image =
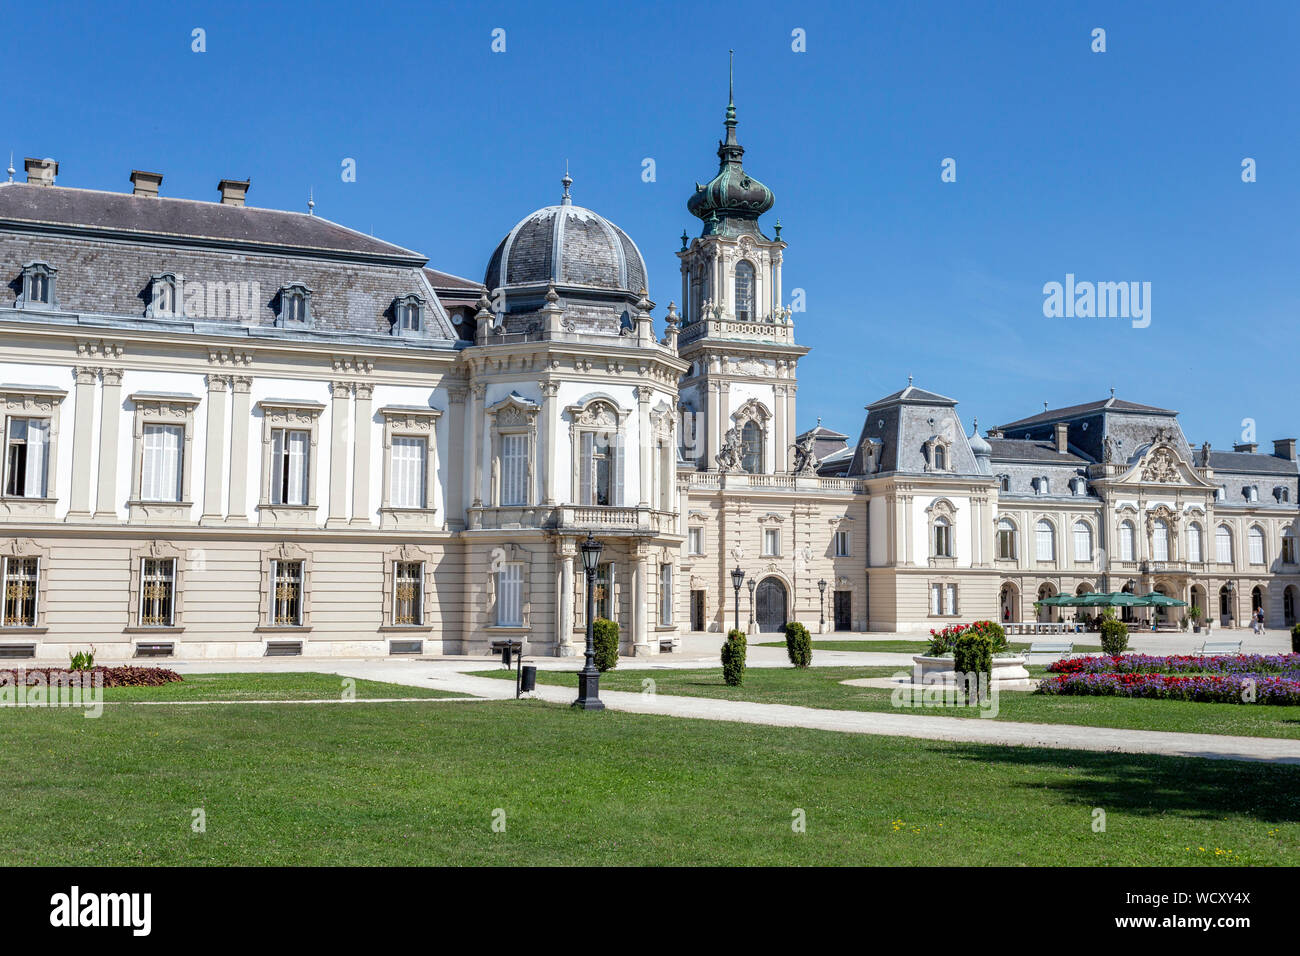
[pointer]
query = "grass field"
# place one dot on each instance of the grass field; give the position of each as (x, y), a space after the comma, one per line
(899, 647)
(291, 686)
(413, 783)
(822, 687)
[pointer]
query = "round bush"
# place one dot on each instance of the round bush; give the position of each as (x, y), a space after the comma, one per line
(972, 656)
(798, 644)
(605, 641)
(733, 658)
(1114, 637)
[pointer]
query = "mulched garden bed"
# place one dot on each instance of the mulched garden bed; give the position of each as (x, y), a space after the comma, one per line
(126, 676)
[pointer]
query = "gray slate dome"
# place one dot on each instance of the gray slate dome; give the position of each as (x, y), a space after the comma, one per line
(570, 245)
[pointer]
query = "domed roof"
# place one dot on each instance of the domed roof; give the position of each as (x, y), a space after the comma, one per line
(570, 246)
(732, 201)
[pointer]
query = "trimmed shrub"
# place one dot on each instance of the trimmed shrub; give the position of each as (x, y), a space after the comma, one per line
(798, 644)
(1295, 638)
(972, 656)
(604, 639)
(733, 658)
(1114, 637)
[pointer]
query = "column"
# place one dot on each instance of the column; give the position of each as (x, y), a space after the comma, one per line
(547, 455)
(564, 605)
(82, 440)
(362, 426)
(241, 387)
(213, 460)
(110, 421)
(640, 579)
(643, 445)
(788, 455)
(782, 433)
(455, 520)
(713, 427)
(477, 394)
(339, 392)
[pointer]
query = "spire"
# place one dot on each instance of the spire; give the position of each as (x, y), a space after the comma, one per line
(566, 182)
(311, 200)
(11, 165)
(730, 150)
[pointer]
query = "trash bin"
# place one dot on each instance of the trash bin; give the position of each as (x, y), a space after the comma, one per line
(527, 678)
(505, 654)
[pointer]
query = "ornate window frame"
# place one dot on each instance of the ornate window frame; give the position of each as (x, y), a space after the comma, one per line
(421, 306)
(31, 401)
(776, 520)
(951, 585)
(697, 521)
(162, 408)
(1172, 521)
(299, 415)
(510, 554)
(753, 288)
(288, 294)
(932, 447)
(409, 554)
(1091, 528)
(754, 411)
(28, 548)
(31, 271)
(410, 421)
(159, 283)
(1263, 540)
(157, 550)
(1055, 559)
(941, 509)
(284, 551)
(513, 415)
(597, 413)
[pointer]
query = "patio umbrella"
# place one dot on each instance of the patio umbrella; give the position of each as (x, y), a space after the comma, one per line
(1123, 599)
(1156, 599)
(1094, 599)
(1057, 600)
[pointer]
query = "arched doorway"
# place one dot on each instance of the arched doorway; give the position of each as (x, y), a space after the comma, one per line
(1161, 613)
(1126, 613)
(1226, 613)
(1045, 610)
(1009, 603)
(1289, 601)
(770, 613)
(1197, 596)
(1256, 602)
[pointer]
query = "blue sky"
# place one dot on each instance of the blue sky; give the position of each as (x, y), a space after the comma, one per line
(1115, 166)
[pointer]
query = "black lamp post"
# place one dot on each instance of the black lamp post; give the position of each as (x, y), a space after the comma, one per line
(752, 584)
(737, 579)
(589, 677)
(821, 586)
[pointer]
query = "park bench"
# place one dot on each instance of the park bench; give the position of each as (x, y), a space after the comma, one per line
(1061, 648)
(1221, 647)
(506, 649)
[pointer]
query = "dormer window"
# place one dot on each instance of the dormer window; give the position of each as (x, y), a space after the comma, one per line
(1252, 493)
(1004, 482)
(1220, 494)
(1078, 486)
(164, 296)
(295, 306)
(1282, 493)
(408, 315)
(1042, 486)
(940, 459)
(938, 454)
(38, 286)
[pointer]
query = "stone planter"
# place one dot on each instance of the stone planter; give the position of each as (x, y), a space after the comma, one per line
(1008, 672)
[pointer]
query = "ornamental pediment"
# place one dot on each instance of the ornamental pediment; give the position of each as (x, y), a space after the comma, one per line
(1163, 465)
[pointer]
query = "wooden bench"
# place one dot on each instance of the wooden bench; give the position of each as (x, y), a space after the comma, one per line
(1060, 648)
(1221, 647)
(501, 647)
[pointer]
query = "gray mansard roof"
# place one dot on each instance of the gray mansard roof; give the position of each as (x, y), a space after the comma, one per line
(898, 428)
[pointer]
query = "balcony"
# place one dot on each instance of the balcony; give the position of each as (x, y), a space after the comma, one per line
(717, 480)
(576, 518)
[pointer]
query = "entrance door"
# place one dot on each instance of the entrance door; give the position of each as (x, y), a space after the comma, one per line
(771, 605)
(843, 610)
(697, 610)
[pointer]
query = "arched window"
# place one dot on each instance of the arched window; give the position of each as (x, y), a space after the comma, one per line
(1082, 541)
(751, 448)
(1004, 482)
(1195, 551)
(744, 291)
(1223, 545)
(1126, 540)
(1045, 541)
(1288, 546)
(1159, 540)
(1255, 538)
(940, 458)
(1006, 539)
(942, 538)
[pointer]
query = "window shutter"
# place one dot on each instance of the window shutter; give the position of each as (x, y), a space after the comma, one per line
(277, 466)
(585, 469)
(38, 443)
(298, 467)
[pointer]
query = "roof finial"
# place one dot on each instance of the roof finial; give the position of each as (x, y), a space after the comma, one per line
(567, 181)
(975, 423)
(11, 165)
(1044, 406)
(909, 379)
(1112, 391)
(311, 200)
(731, 79)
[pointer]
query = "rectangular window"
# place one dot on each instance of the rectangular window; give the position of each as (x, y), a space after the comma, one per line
(665, 594)
(605, 591)
(408, 593)
(842, 549)
(157, 591)
(600, 469)
(1288, 549)
(160, 469)
(408, 471)
(943, 600)
(1194, 545)
(1006, 543)
(514, 469)
(771, 542)
(1045, 549)
(695, 541)
(1082, 544)
(950, 599)
(510, 595)
(27, 455)
(286, 593)
(1256, 547)
(1223, 547)
(290, 453)
(20, 580)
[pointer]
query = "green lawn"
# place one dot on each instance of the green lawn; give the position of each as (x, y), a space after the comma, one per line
(898, 647)
(292, 686)
(821, 687)
(413, 784)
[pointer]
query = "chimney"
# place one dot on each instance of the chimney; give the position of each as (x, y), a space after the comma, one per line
(233, 191)
(1062, 437)
(1248, 447)
(146, 184)
(1284, 448)
(41, 172)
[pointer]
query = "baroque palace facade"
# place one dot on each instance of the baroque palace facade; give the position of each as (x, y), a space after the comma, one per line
(233, 431)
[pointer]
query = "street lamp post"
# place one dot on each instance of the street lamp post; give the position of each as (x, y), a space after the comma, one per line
(737, 579)
(589, 677)
(752, 585)
(821, 586)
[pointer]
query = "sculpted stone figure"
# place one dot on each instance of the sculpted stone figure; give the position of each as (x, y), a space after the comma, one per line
(728, 457)
(805, 462)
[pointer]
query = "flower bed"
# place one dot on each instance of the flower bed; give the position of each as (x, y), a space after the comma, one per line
(1235, 679)
(126, 676)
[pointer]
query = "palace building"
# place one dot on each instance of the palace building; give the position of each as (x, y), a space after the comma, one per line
(234, 432)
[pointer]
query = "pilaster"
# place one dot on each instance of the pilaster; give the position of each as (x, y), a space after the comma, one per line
(241, 387)
(339, 395)
(82, 442)
(110, 422)
(362, 426)
(213, 459)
